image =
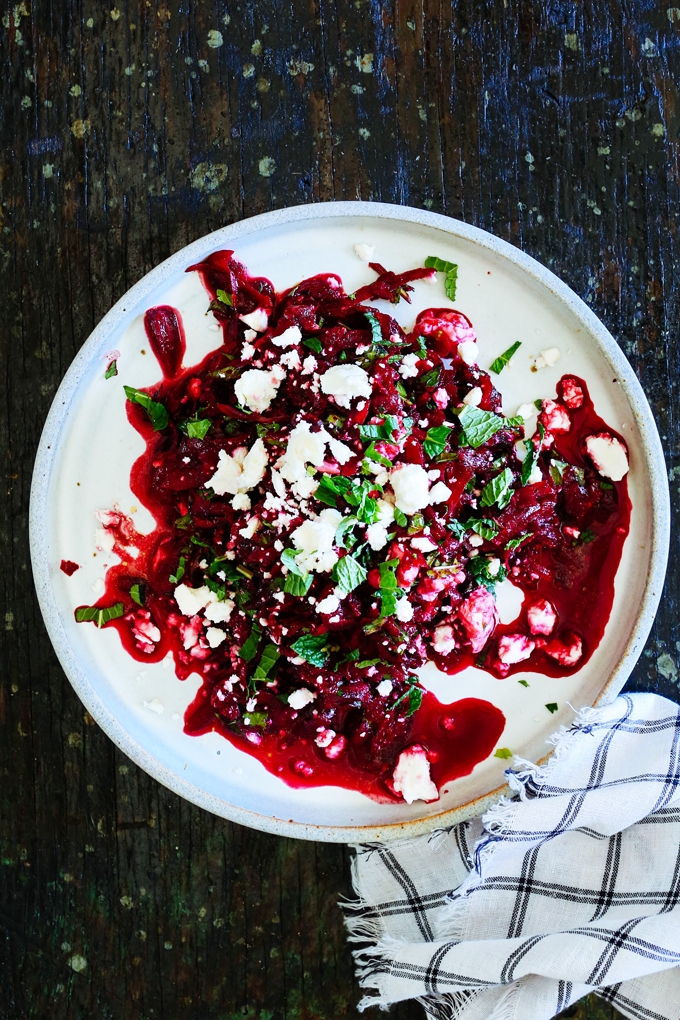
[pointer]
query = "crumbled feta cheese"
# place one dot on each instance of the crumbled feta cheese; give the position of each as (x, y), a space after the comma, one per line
(474, 397)
(407, 369)
(298, 699)
(404, 610)
(411, 487)
(443, 640)
(305, 487)
(384, 688)
(535, 476)
(309, 365)
(364, 251)
(304, 447)
(514, 648)
(219, 612)
(386, 512)
(341, 451)
(565, 652)
(328, 605)
(554, 417)
(609, 455)
(376, 536)
(247, 352)
(439, 493)
(256, 388)
(250, 335)
(251, 527)
(256, 319)
(411, 777)
(290, 336)
(238, 472)
(345, 383)
(468, 352)
(155, 706)
(186, 460)
(547, 358)
(314, 540)
(423, 544)
(193, 600)
(324, 736)
(241, 501)
(527, 411)
(541, 617)
(291, 360)
(215, 636)
(572, 394)
(104, 540)
(478, 616)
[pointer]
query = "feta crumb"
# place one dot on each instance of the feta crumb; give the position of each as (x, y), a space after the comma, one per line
(345, 383)
(155, 706)
(609, 455)
(468, 352)
(251, 527)
(256, 319)
(104, 540)
(474, 397)
(541, 617)
(298, 699)
(407, 369)
(250, 335)
(238, 472)
(376, 536)
(241, 501)
(411, 488)
(256, 388)
(219, 612)
(364, 251)
(192, 600)
(546, 359)
(247, 352)
(328, 605)
(527, 411)
(290, 336)
(304, 447)
(324, 736)
(384, 687)
(443, 640)
(314, 540)
(291, 360)
(439, 493)
(341, 451)
(186, 460)
(411, 777)
(423, 543)
(309, 365)
(404, 610)
(514, 648)
(572, 394)
(215, 636)
(475, 541)
(555, 417)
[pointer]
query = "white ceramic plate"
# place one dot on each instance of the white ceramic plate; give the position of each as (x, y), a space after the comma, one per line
(88, 447)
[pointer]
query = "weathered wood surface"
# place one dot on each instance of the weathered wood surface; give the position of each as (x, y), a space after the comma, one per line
(125, 134)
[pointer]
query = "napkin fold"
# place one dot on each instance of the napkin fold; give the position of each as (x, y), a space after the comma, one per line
(572, 885)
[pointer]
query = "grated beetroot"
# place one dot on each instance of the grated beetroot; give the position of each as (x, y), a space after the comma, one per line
(309, 656)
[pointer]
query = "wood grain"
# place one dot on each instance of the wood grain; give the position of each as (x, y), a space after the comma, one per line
(127, 132)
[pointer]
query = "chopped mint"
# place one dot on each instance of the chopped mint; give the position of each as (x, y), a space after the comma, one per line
(552, 707)
(313, 648)
(376, 331)
(502, 752)
(431, 378)
(524, 683)
(198, 428)
(531, 459)
(457, 528)
(484, 527)
(250, 645)
(372, 454)
(111, 370)
(451, 270)
(137, 593)
(268, 660)
(400, 517)
(342, 539)
(348, 573)
(183, 522)
(179, 573)
(384, 431)
(298, 584)
(314, 344)
(255, 719)
(224, 298)
(515, 543)
(498, 490)
(499, 364)
(436, 440)
(156, 412)
(288, 560)
(478, 426)
(99, 614)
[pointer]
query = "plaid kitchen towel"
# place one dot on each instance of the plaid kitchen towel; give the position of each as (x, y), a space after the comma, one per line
(571, 886)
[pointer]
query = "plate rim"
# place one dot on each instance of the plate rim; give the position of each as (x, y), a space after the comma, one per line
(58, 413)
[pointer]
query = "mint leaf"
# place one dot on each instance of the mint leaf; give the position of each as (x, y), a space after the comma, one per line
(502, 752)
(552, 707)
(557, 469)
(414, 697)
(524, 683)
(298, 584)
(484, 527)
(478, 426)
(179, 573)
(497, 489)
(268, 660)
(342, 539)
(255, 719)
(436, 439)
(368, 662)
(450, 281)
(422, 349)
(384, 431)
(99, 614)
(499, 364)
(224, 298)
(479, 569)
(288, 560)
(156, 412)
(531, 459)
(376, 332)
(198, 429)
(400, 517)
(249, 647)
(457, 528)
(183, 522)
(348, 573)
(514, 543)
(372, 454)
(312, 648)
(431, 378)
(137, 593)
(451, 270)
(111, 370)
(314, 344)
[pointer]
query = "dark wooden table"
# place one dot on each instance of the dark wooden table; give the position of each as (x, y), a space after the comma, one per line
(127, 133)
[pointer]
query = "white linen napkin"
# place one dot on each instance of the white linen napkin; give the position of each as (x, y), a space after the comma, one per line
(571, 886)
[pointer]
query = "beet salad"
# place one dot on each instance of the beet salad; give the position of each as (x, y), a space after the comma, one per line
(336, 501)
